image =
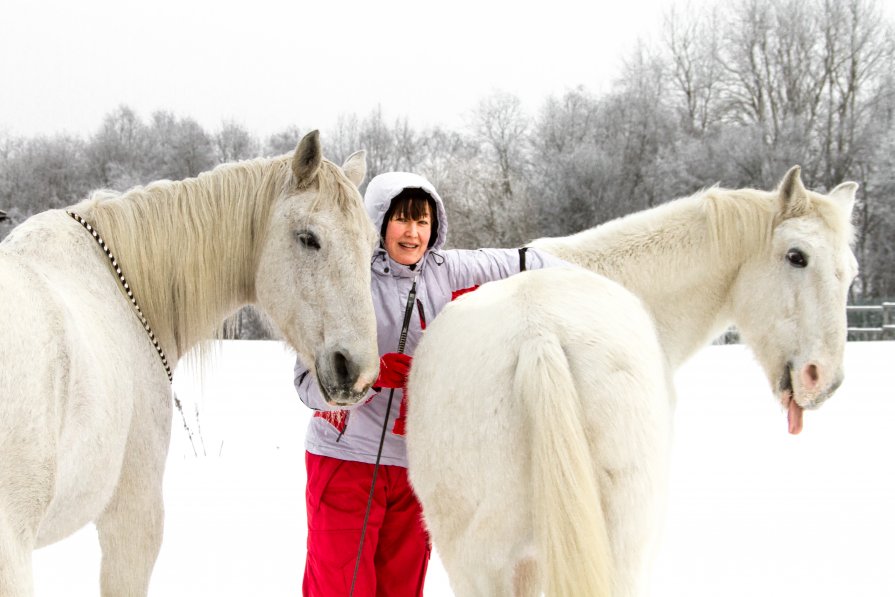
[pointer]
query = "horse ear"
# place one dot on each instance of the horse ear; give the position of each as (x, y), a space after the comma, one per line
(793, 193)
(307, 158)
(844, 194)
(355, 167)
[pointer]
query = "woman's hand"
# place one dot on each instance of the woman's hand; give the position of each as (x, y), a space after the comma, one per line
(393, 370)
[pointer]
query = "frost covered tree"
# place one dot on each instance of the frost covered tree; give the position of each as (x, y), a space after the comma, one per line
(180, 147)
(233, 142)
(118, 153)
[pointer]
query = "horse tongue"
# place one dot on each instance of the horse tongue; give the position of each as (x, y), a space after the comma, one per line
(794, 416)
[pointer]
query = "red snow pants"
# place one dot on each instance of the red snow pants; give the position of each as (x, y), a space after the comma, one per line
(396, 547)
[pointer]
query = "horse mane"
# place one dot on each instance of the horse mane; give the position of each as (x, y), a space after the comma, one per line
(189, 249)
(734, 223)
(750, 216)
(738, 221)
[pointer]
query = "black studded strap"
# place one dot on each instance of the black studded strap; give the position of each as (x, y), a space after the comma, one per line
(127, 289)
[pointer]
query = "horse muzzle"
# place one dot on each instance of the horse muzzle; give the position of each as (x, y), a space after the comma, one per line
(805, 389)
(342, 379)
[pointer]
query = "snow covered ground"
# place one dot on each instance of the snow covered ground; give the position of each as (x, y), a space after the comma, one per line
(752, 511)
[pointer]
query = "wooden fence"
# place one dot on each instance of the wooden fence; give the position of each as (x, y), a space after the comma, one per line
(865, 322)
(871, 322)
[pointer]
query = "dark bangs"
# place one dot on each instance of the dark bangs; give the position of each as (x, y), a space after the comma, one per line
(411, 203)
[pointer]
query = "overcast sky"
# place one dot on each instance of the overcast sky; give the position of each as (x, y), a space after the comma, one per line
(270, 64)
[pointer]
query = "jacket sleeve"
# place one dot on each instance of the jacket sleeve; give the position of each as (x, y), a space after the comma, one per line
(309, 391)
(471, 268)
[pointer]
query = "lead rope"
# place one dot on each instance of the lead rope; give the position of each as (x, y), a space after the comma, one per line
(127, 289)
(388, 409)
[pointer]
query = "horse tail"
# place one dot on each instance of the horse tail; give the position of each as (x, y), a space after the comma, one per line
(569, 526)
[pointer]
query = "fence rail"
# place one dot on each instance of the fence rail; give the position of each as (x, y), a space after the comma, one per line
(865, 322)
(871, 322)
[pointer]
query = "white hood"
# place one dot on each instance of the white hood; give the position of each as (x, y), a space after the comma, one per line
(385, 187)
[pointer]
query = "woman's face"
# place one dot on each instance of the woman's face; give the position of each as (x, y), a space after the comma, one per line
(406, 239)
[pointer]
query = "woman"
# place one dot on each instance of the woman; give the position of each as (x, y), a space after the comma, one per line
(342, 445)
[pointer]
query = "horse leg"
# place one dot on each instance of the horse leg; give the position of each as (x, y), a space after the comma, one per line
(633, 498)
(515, 579)
(20, 516)
(469, 574)
(26, 489)
(479, 583)
(130, 528)
(526, 582)
(15, 563)
(488, 568)
(130, 536)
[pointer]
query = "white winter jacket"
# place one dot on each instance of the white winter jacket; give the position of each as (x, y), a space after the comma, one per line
(353, 433)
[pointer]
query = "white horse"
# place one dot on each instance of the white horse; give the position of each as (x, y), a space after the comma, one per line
(525, 359)
(85, 402)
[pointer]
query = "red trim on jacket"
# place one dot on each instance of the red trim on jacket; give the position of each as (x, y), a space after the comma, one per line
(458, 293)
(336, 418)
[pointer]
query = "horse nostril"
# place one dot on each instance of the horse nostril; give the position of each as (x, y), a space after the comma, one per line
(340, 366)
(810, 376)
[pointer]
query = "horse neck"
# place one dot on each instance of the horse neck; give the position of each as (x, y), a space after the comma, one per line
(189, 249)
(670, 257)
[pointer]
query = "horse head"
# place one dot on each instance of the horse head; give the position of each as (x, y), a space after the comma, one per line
(790, 298)
(313, 277)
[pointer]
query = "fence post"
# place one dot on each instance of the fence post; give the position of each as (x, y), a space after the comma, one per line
(888, 321)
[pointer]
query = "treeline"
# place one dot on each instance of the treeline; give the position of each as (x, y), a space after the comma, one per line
(731, 96)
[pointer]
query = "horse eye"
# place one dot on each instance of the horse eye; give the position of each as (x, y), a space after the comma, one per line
(796, 258)
(308, 240)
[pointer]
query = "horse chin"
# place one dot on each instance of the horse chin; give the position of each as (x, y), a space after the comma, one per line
(342, 396)
(341, 380)
(342, 402)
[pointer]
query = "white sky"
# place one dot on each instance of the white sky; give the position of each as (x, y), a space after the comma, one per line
(271, 64)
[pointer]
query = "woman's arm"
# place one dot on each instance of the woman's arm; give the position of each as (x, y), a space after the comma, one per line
(471, 268)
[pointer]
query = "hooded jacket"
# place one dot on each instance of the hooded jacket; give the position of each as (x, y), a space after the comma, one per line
(353, 433)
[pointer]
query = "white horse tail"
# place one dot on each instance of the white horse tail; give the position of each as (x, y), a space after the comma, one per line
(570, 530)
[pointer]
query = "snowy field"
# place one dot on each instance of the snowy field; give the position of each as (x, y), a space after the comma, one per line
(752, 511)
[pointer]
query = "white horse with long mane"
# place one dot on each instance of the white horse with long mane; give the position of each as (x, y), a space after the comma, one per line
(540, 406)
(85, 402)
